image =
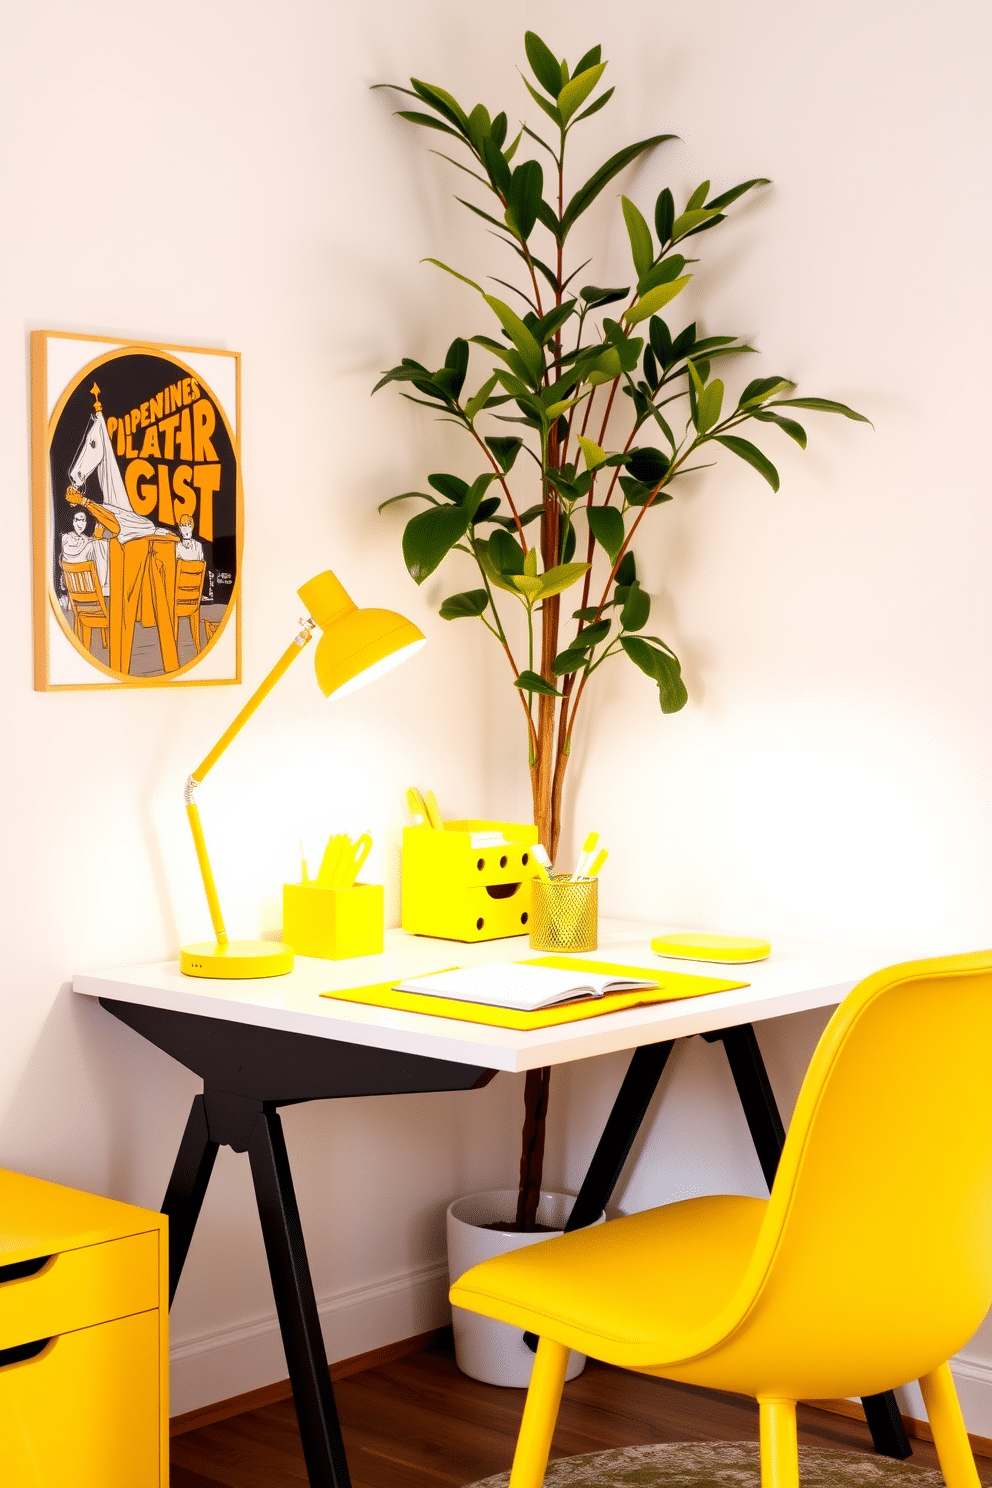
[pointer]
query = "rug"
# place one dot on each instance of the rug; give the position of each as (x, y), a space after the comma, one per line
(722, 1465)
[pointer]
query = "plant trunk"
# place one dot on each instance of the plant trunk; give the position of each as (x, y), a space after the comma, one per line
(536, 1091)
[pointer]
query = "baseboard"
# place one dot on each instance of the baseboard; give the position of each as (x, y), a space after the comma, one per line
(241, 1361)
(914, 1429)
(221, 1410)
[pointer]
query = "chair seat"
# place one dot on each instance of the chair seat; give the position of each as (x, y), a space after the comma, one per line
(636, 1292)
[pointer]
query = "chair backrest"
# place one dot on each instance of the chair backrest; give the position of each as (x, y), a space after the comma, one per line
(878, 1233)
(189, 585)
(82, 585)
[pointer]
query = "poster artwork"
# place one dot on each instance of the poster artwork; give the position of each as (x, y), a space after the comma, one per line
(138, 527)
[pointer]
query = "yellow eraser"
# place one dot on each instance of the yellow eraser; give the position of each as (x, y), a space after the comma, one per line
(726, 948)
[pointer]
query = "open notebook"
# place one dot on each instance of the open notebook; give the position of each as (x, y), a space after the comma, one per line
(656, 985)
(524, 985)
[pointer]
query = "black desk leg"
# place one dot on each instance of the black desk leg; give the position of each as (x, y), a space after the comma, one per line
(768, 1135)
(187, 1186)
(323, 1449)
(624, 1122)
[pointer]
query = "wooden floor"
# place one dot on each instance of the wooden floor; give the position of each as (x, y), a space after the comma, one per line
(419, 1423)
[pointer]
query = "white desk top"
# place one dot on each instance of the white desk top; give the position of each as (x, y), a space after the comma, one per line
(796, 976)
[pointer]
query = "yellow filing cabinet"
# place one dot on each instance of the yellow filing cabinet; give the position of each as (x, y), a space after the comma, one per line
(84, 1340)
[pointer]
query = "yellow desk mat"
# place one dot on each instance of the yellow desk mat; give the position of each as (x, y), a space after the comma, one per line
(669, 987)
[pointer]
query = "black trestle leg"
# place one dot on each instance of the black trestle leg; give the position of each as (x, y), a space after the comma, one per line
(187, 1186)
(768, 1135)
(622, 1125)
(323, 1449)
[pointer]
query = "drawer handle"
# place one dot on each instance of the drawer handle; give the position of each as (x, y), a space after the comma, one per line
(23, 1351)
(17, 1269)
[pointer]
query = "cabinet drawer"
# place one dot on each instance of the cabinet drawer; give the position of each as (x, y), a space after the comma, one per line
(86, 1412)
(79, 1288)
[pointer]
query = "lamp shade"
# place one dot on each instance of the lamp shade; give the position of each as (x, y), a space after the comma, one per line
(356, 646)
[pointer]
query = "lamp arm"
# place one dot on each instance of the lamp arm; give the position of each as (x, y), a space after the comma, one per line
(285, 661)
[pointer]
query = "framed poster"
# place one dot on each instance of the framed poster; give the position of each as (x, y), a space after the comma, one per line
(138, 512)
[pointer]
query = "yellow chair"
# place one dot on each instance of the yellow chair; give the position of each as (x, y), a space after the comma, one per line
(855, 1276)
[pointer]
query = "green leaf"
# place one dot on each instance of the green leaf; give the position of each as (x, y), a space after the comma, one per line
(430, 536)
(589, 613)
(428, 122)
(594, 296)
(453, 272)
(593, 454)
(661, 273)
(479, 125)
(505, 450)
(521, 337)
(641, 245)
(592, 56)
(788, 426)
(689, 221)
(663, 667)
(750, 452)
(664, 216)
(710, 401)
(549, 108)
(647, 464)
(556, 580)
(590, 636)
(627, 572)
(465, 606)
(606, 525)
(476, 404)
(654, 299)
(472, 499)
(523, 197)
(569, 660)
(574, 94)
(456, 362)
(480, 547)
(822, 405)
(443, 102)
(594, 108)
(530, 563)
(636, 608)
(529, 585)
(698, 197)
(405, 496)
(719, 202)
(506, 554)
(451, 487)
(587, 193)
(543, 64)
(496, 165)
(545, 328)
(763, 388)
(487, 509)
(530, 682)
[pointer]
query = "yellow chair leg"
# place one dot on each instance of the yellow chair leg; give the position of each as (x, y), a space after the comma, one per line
(950, 1435)
(540, 1414)
(779, 1448)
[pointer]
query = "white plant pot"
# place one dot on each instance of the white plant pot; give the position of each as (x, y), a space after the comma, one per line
(485, 1349)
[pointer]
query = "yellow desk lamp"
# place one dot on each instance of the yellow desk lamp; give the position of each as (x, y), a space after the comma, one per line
(355, 647)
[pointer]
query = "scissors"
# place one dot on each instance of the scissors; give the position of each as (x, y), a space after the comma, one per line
(351, 861)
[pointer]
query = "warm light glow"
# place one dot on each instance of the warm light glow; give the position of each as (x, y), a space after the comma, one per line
(378, 669)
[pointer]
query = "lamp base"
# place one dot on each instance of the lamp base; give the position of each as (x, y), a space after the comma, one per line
(239, 959)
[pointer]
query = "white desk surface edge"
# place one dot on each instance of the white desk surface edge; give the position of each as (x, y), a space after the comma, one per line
(796, 977)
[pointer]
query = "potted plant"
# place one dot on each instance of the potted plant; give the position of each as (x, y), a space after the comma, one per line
(585, 407)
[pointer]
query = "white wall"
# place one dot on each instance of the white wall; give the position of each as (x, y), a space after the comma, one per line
(221, 175)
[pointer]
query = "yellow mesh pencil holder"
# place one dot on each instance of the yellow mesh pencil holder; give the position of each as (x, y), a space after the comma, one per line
(564, 913)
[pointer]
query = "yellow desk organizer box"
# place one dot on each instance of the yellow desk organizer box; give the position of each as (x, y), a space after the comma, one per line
(333, 923)
(460, 884)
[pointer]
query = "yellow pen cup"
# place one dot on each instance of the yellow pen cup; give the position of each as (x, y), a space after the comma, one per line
(333, 923)
(564, 914)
